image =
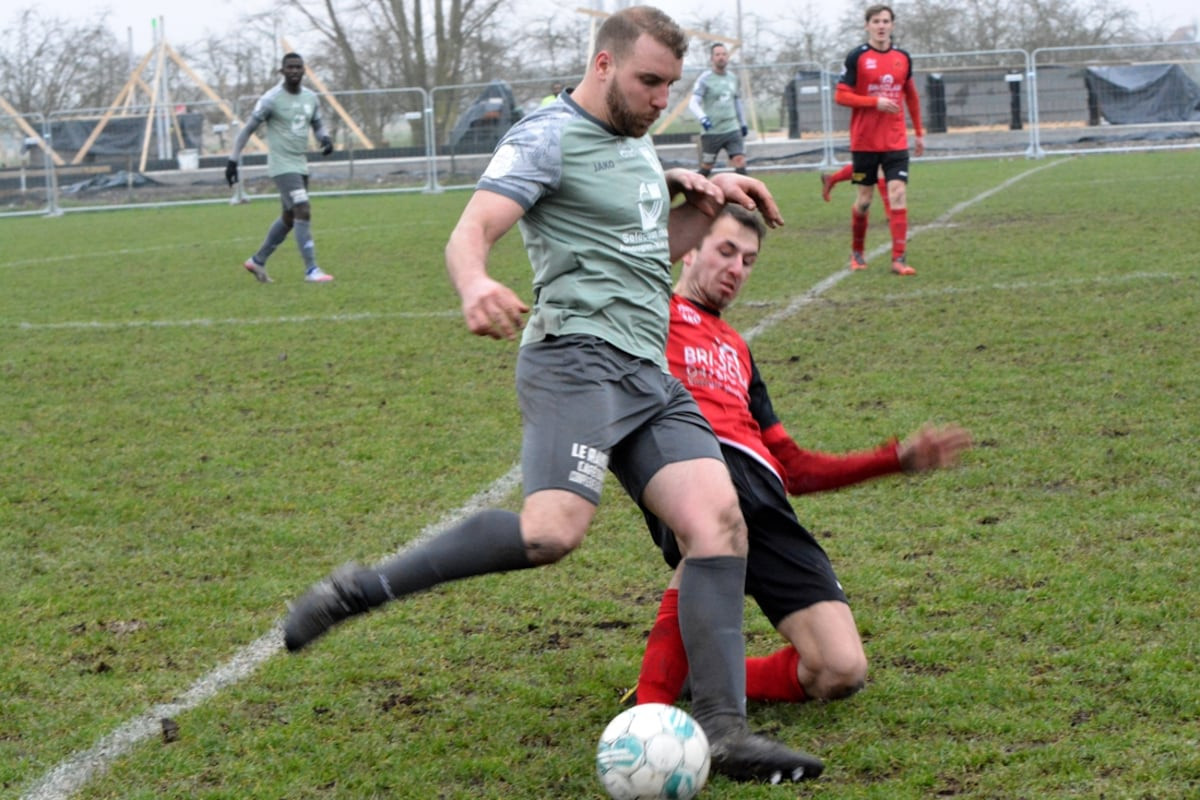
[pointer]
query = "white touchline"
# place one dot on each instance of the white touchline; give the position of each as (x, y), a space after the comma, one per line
(203, 323)
(71, 774)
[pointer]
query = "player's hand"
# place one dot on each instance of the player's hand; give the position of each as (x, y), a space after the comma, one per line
(492, 309)
(231, 174)
(887, 105)
(326, 145)
(749, 193)
(745, 131)
(696, 189)
(933, 448)
(919, 145)
(706, 123)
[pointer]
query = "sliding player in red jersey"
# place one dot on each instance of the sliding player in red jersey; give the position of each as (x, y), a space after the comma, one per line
(787, 573)
(876, 84)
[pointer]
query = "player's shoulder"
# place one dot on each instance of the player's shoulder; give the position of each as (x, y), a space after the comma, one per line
(271, 95)
(858, 50)
(901, 51)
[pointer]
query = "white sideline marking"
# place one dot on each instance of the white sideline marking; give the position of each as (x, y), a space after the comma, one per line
(200, 323)
(71, 774)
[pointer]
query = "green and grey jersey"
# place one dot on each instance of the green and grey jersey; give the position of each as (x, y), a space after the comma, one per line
(595, 227)
(718, 98)
(288, 118)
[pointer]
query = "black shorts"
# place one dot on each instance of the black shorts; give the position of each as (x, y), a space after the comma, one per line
(786, 570)
(867, 164)
(588, 407)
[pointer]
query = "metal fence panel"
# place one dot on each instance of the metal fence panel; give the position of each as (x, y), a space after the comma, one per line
(26, 167)
(1117, 97)
(381, 145)
(974, 104)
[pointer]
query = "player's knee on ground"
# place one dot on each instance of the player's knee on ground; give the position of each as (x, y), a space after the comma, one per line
(835, 678)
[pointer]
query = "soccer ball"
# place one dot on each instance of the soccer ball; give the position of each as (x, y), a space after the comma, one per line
(653, 752)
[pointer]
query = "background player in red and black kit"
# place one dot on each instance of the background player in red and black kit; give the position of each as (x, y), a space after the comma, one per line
(787, 572)
(876, 83)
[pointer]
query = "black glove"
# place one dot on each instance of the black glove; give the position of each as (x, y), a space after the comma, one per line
(745, 131)
(326, 145)
(231, 172)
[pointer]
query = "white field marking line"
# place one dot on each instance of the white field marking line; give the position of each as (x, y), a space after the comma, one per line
(134, 251)
(802, 300)
(73, 773)
(70, 775)
(200, 323)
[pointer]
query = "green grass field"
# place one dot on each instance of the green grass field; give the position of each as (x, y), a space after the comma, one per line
(184, 450)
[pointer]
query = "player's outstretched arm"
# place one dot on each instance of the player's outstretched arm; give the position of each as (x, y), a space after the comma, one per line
(489, 307)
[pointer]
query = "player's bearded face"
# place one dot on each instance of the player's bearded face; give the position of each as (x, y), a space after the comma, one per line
(622, 116)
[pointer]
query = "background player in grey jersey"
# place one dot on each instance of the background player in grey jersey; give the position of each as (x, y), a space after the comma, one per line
(582, 179)
(717, 103)
(289, 111)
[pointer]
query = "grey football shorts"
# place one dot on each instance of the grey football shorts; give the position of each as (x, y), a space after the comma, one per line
(713, 143)
(587, 406)
(293, 189)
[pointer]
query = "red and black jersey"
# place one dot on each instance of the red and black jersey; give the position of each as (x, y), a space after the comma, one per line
(714, 362)
(867, 75)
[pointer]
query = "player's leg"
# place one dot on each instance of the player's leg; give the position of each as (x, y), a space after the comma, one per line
(830, 662)
(865, 166)
(735, 147)
(895, 167)
(302, 210)
(256, 265)
(692, 494)
(563, 486)
(831, 179)
(708, 153)
(881, 184)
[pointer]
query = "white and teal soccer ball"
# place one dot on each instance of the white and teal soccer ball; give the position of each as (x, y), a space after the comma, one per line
(653, 752)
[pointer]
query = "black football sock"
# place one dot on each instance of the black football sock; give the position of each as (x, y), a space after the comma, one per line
(487, 542)
(711, 608)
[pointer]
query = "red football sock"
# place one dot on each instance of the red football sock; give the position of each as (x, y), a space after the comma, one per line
(774, 677)
(858, 230)
(664, 664)
(842, 174)
(883, 195)
(898, 221)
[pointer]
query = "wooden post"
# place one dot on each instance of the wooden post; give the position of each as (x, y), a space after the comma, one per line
(125, 95)
(29, 131)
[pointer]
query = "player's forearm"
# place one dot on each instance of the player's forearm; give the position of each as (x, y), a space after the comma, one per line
(845, 96)
(243, 136)
(809, 471)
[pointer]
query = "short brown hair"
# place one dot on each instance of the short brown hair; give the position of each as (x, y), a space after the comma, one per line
(878, 9)
(744, 217)
(622, 29)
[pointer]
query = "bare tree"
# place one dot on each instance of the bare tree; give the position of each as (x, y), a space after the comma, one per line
(49, 63)
(419, 43)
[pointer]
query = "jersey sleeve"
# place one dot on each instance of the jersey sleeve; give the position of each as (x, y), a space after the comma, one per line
(527, 162)
(913, 101)
(809, 471)
(696, 104)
